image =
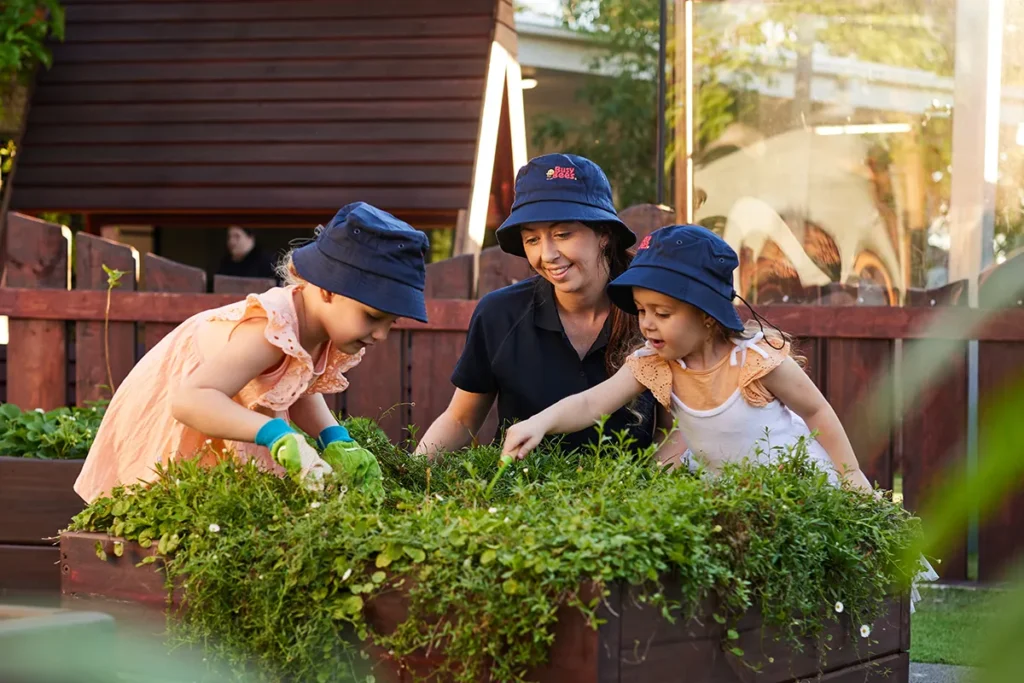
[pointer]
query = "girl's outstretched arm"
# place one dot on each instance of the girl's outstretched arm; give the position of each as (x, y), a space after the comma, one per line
(204, 399)
(573, 413)
(673, 445)
(791, 385)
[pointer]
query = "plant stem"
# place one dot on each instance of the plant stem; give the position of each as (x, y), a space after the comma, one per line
(106, 343)
(506, 460)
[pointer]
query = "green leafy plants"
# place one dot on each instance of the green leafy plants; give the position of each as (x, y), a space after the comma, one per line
(61, 434)
(276, 578)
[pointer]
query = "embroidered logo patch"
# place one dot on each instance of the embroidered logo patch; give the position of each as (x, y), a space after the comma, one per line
(562, 172)
(644, 243)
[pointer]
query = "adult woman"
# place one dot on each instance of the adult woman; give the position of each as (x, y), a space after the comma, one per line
(244, 257)
(537, 341)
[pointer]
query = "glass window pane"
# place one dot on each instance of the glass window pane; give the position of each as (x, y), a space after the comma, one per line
(822, 144)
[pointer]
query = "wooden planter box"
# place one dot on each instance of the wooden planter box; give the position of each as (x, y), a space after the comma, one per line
(36, 501)
(635, 645)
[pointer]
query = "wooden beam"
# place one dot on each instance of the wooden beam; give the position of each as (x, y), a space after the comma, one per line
(174, 307)
(837, 322)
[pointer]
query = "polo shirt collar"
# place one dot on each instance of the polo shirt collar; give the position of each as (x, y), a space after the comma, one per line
(545, 314)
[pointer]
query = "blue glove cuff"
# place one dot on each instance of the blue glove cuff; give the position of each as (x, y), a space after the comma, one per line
(332, 434)
(272, 431)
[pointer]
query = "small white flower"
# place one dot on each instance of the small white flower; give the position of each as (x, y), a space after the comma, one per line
(348, 573)
(493, 510)
(214, 528)
(209, 442)
(839, 608)
(525, 470)
(438, 496)
(40, 411)
(507, 520)
(315, 504)
(865, 631)
(260, 577)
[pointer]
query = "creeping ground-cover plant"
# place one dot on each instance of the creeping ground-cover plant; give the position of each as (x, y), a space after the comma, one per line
(60, 434)
(276, 579)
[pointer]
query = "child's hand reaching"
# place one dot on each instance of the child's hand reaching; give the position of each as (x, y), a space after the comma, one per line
(290, 450)
(523, 437)
(354, 462)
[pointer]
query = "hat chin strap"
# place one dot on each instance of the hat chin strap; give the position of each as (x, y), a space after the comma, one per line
(761, 322)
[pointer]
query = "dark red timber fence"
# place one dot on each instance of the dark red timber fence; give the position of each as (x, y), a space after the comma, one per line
(56, 355)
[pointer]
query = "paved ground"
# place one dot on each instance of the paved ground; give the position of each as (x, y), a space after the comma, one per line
(939, 673)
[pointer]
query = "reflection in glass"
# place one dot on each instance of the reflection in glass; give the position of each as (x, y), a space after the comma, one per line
(823, 142)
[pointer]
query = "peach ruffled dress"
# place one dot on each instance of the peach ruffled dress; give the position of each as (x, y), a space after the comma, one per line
(139, 431)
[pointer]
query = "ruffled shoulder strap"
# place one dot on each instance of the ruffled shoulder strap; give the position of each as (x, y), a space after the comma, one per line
(757, 358)
(654, 372)
(333, 380)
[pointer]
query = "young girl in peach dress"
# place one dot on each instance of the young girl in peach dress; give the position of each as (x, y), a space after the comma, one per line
(228, 381)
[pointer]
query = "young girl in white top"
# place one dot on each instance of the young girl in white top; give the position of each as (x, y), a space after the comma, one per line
(733, 393)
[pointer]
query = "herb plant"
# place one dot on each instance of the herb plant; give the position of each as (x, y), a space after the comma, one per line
(277, 579)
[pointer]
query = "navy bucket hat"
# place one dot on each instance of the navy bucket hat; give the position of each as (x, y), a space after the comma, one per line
(561, 187)
(688, 263)
(369, 255)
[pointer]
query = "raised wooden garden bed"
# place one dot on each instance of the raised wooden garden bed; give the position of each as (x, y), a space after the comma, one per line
(636, 644)
(37, 500)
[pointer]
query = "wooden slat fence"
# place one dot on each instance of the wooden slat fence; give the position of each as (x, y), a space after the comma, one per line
(407, 381)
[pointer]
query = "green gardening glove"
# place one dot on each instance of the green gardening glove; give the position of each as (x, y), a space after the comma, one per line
(290, 450)
(350, 460)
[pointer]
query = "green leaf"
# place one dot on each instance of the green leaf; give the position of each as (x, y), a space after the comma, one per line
(733, 635)
(736, 651)
(416, 554)
(118, 548)
(378, 577)
(488, 557)
(352, 604)
(510, 586)
(99, 552)
(383, 560)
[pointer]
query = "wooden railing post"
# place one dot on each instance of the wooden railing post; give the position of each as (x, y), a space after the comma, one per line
(37, 257)
(935, 425)
(433, 354)
(163, 275)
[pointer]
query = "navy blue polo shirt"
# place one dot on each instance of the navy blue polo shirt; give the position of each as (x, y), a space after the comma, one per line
(516, 347)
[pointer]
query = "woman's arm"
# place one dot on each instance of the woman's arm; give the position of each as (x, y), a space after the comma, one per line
(791, 385)
(672, 448)
(456, 427)
(311, 414)
(573, 413)
(203, 400)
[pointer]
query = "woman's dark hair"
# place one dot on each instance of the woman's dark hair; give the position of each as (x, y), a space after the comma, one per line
(249, 232)
(624, 336)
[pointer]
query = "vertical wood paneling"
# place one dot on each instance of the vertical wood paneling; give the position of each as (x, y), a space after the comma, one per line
(37, 254)
(164, 275)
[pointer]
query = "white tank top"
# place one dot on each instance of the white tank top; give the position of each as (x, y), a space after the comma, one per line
(735, 429)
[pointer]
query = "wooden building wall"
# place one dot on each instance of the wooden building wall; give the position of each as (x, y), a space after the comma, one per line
(265, 106)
